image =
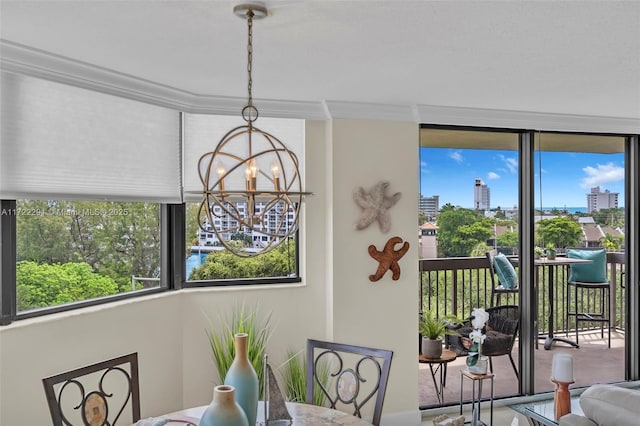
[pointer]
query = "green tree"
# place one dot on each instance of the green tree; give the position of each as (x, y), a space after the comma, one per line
(192, 224)
(509, 239)
(41, 285)
(613, 217)
(42, 232)
(612, 242)
(119, 240)
(460, 230)
(225, 265)
(560, 231)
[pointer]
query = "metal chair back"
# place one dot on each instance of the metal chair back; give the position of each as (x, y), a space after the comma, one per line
(95, 395)
(354, 375)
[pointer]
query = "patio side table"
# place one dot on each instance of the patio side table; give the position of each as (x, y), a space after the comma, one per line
(476, 382)
(439, 365)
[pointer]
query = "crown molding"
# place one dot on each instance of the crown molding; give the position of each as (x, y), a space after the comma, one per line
(445, 115)
(21, 59)
(366, 111)
(17, 58)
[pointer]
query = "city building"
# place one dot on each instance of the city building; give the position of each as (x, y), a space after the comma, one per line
(276, 223)
(597, 200)
(429, 206)
(428, 240)
(481, 195)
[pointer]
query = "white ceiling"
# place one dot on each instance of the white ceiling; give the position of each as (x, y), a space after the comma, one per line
(567, 57)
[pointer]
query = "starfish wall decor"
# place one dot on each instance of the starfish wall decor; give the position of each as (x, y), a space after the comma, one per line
(375, 205)
(388, 258)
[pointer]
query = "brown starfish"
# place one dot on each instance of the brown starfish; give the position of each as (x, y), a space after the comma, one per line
(388, 258)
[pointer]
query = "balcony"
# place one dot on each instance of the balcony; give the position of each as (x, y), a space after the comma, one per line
(454, 286)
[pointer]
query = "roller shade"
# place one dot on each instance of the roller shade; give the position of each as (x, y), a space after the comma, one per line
(60, 141)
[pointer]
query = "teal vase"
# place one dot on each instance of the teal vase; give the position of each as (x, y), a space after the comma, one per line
(224, 410)
(244, 379)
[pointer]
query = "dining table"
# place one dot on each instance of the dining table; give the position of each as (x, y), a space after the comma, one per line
(302, 415)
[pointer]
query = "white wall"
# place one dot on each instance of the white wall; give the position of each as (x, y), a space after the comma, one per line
(31, 350)
(336, 300)
(384, 313)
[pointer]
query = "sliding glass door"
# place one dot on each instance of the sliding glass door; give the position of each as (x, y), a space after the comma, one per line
(580, 212)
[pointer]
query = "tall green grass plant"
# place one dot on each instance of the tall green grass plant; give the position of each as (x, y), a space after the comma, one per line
(294, 377)
(242, 319)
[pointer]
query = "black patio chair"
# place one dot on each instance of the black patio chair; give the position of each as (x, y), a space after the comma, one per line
(356, 375)
(501, 331)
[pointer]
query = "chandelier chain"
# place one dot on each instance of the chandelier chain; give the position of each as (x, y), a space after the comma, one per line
(250, 15)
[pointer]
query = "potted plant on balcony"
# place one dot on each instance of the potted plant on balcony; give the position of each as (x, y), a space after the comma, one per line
(551, 251)
(433, 329)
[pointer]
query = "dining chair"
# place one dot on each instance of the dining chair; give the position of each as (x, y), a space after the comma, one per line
(348, 376)
(95, 395)
(588, 295)
(507, 277)
(501, 331)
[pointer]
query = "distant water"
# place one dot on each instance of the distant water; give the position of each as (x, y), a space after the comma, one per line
(569, 209)
(193, 261)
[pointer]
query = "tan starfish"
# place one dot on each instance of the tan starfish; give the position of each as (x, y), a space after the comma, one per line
(375, 205)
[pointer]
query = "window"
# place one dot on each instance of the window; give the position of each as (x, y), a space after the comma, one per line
(70, 251)
(63, 151)
(207, 263)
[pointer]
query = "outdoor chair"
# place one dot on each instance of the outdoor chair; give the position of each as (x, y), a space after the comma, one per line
(589, 291)
(501, 331)
(507, 278)
(96, 394)
(348, 376)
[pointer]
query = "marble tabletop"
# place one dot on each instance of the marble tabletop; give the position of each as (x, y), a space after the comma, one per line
(302, 414)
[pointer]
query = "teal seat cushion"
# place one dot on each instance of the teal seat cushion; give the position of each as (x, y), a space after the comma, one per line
(594, 272)
(506, 273)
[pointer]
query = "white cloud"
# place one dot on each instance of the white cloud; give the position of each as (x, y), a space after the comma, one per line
(601, 174)
(456, 156)
(510, 162)
(493, 176)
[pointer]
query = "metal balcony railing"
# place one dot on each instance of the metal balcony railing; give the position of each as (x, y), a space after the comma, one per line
(454, 286)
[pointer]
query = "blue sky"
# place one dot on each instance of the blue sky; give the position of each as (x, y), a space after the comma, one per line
(566, 176)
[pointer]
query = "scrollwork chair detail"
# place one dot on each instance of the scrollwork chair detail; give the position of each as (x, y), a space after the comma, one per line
(350, 367)
(96, 386)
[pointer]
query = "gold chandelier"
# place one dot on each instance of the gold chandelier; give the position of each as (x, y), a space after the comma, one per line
(252, 190)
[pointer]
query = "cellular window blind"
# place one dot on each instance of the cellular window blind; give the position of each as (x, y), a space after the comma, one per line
(202, 133)
(60, 141)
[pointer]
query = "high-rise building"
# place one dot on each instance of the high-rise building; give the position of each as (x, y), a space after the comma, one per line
(481, 196)
(597, 200)
(429, 206)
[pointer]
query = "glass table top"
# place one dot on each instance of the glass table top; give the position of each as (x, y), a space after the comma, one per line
(543, 412)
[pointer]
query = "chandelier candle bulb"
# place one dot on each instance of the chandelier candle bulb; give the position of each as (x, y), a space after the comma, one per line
(276, 179)
(220, 170)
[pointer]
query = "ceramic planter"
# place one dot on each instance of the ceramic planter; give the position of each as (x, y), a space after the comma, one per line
(431, 348)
